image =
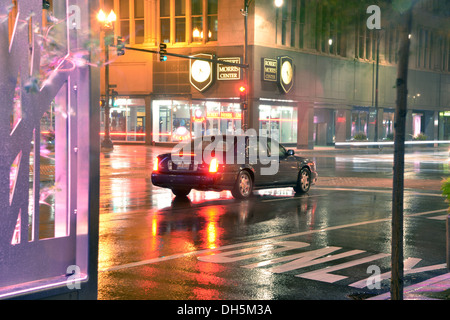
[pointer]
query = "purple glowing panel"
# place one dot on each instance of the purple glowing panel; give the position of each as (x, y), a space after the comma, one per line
(44, 168)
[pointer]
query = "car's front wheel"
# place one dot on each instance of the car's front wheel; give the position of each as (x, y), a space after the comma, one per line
(303, 181)
(181, 192)
(244, 186)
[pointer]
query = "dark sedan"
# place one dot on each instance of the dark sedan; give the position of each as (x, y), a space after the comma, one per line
(237, 163)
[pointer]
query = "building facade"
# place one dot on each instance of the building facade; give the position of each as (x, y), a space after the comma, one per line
(328, 95)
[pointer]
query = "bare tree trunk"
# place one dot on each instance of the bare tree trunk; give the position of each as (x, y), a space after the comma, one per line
(399, 155)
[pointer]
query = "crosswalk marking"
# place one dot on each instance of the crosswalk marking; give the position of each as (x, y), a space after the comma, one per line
(324, 274)
(225, 257)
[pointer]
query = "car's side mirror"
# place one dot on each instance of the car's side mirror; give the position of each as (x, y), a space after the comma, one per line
(290, 152)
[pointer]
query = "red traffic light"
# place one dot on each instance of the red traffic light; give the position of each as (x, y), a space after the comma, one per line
(243, 93)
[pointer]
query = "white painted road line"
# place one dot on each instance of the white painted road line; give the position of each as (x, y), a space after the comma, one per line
(257, 242)
(389, 191)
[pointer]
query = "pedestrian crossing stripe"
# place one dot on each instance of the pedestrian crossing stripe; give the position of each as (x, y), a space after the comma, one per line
(298, 261)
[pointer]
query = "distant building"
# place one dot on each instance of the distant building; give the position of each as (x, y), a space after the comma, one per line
(330, 97)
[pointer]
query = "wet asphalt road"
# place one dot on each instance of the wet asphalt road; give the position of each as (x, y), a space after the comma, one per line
(274, 246)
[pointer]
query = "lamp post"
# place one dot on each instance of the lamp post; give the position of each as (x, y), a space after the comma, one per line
(245, 71)
(278, 3)
(107, 26)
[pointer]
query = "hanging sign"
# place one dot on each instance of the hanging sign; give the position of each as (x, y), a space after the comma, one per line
(227, 72)
(269, 69)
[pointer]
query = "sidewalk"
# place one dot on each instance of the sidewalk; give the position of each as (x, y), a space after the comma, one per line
(368, 150)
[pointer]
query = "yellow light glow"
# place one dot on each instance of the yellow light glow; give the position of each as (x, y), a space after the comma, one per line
(101, 16)
(196, 33)
(112, 16)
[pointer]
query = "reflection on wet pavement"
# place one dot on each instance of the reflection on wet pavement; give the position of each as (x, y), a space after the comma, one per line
(140, 222)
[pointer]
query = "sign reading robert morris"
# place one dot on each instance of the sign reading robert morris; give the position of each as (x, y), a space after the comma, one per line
(227, 72)
(270, 69)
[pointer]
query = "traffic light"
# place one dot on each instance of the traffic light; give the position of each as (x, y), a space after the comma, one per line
(243, 93)
(162, 52)
(120, 46)
(243, 97)
(102, 103)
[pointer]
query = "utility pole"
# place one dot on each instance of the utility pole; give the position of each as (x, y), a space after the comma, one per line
(399, 159)
(107, 25)
(244, 123)
(376, 86)
(107, 143)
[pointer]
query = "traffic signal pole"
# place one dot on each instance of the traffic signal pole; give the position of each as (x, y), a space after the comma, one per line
(190, 57)
(244, 104)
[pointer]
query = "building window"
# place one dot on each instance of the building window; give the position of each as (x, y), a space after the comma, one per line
(310, 25)
(212, 20)
(302, 24)
(131, 19)
(366, 41)
(180, 120)
(278, 122)
(164, 16)
(190, 21)
(127, 118)
(180, 21)
(388, 125)
(139, 25)
(124, 15)
(197, 20)
(359, 123)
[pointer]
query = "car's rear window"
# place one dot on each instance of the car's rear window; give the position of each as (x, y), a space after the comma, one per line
(219, 144)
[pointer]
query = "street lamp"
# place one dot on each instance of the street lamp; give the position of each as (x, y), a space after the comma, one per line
(278, 4)
(107, 26)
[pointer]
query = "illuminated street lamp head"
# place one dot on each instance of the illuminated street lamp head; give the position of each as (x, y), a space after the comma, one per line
(112, 17)
(106, 20)
(278, 3)
(101, 16)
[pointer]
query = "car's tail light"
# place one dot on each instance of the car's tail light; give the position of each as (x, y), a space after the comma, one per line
(213, 165)
(156, 164)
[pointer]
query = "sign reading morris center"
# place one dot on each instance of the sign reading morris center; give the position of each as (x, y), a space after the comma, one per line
(227, 72)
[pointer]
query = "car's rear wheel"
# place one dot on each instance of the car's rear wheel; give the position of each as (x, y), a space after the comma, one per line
(181, 192)
(303, 181)
(244, 186)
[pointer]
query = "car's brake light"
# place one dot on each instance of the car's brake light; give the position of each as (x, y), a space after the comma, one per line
(156, 164)
(213, 165)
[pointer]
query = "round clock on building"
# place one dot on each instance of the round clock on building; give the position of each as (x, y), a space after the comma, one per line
(201, 72)
(286, 73)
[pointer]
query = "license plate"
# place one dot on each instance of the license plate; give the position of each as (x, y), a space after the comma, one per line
(183, 166)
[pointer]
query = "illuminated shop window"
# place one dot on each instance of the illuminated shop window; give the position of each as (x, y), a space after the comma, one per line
(127, 118)
(178, 120)
(278, 122)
